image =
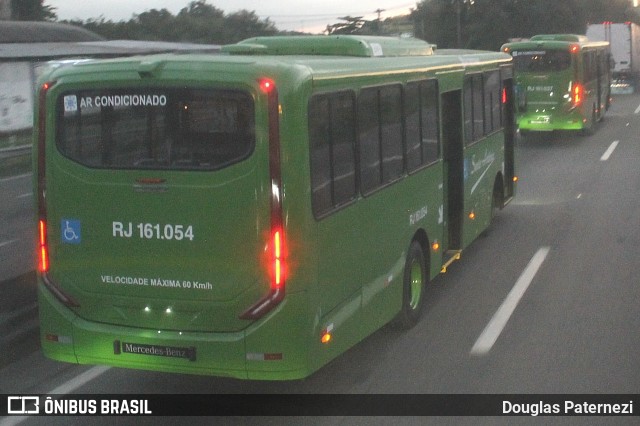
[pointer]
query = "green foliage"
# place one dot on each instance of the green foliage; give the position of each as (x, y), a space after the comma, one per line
(477, 24)
(351, 25)
(486, 24)
(31, 10)
(199, 22)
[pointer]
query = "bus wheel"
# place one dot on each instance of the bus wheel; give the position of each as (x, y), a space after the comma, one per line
(591, 127)
(496, 198)
(414, 285)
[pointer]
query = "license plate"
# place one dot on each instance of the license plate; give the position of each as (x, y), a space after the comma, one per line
(154, 350)
(540, 120)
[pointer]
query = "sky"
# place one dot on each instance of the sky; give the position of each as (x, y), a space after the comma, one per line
(300, 15)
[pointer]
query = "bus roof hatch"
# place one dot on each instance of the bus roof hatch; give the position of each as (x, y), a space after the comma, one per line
(341, 45)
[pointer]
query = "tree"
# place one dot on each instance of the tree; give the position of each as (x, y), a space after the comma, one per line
(199, 22)
(32, 10)
(352, 25)
(244, 24)
(486, 24)
(436, 22)
(597, 11)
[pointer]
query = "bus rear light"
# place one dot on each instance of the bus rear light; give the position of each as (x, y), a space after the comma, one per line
(266, 85)
(577, 94)
(504, 95)
(574, 48)
(43, 251)
(55, 338)
(326, 335)
(277, 253)
(278, 278)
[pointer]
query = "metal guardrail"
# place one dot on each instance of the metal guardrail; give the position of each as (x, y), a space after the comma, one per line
(15, 151)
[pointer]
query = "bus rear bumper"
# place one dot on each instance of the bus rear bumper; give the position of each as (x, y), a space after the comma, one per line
(550, 123)
(247, 354)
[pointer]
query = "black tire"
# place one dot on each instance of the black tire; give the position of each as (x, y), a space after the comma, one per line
(591, 128)
(414, 286)
(524, 134)
(496, 199)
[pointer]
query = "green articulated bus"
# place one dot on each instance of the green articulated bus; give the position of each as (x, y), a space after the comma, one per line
(256, 213)
(562, 82)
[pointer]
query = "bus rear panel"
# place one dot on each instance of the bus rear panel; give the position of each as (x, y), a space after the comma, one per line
(157, 227)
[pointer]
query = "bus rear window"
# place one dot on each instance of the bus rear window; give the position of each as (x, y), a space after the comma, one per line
(174, 129)
(541, 60)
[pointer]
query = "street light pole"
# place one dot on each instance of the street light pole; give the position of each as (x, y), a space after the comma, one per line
(458, 23)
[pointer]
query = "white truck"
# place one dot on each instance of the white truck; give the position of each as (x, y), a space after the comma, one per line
(624, 39)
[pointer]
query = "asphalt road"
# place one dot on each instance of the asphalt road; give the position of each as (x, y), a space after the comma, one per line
(547, 302)
(17, 232)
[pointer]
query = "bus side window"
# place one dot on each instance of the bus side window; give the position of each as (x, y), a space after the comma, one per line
(369, 140)
(391, 132)
(468, 110)
(421, 123)
(380, 136)
(474, 114)
(492, 104)
(332, 150)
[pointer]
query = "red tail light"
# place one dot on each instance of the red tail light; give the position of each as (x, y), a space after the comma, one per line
(577, 94)
(43, 247)
(277, 251)
(266, 85)
(504, 95)
(43, 251)
(278, 261)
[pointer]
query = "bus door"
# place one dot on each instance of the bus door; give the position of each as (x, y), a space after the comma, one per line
(453, 166)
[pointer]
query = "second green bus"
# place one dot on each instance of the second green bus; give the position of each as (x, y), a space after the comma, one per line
(562, 82)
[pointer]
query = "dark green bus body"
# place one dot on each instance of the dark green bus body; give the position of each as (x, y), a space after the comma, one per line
(250, 214)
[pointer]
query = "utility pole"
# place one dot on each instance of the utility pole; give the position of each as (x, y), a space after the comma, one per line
(378, 26)
(458, 23)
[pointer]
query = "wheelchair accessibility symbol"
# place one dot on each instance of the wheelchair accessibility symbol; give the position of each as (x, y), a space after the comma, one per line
(70, 231)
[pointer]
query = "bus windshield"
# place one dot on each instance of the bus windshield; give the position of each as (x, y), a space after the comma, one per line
(174, 129)
(541, 61)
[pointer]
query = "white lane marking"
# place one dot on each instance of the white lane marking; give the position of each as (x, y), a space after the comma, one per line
(63, 389)
(13, 420)
(493, 329)
(15, 177)
(609, 151)
(28, 194)
(6, 243)
(637, 110)
(80, 380)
